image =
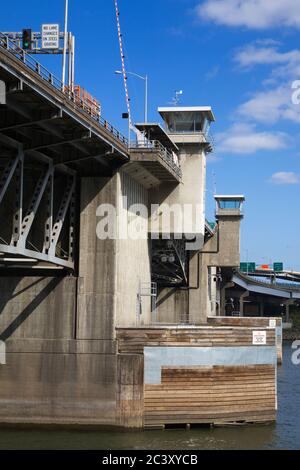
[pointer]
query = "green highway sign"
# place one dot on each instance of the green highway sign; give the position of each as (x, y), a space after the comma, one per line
(247, 267)
(278, 267)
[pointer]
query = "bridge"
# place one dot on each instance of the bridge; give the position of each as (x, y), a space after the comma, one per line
(277, 289)
(76, 308)
(285, 275)
(49, 137)
(253, 295)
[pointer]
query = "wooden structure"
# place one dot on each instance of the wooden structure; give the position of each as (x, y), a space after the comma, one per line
(189, 375)
(261, 322)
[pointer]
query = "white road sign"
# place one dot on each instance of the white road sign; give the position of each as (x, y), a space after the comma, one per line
(50, 36)
(259, 337)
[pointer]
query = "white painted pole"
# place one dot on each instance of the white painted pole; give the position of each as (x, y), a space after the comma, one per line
(146, 98)
(63, 79)
(69, 61)
(73, 64)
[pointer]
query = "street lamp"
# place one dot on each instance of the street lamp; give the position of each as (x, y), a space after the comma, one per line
(145, 78)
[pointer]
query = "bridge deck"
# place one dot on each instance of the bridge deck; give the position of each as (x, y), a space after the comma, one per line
(48, 137)
(43, 116)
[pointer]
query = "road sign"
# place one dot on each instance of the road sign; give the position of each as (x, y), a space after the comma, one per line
(278, 267)
(50, 36)
(247, 267)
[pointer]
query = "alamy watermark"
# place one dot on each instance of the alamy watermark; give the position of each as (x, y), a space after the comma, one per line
(296, 354)
(139, 222)
(2, 353)
(296, 93)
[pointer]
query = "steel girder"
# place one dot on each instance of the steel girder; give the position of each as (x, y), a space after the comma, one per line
(169, 262)
(23, 221)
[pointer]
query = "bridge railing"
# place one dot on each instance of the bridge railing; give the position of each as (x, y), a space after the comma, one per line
(156, 146)
(49, 77)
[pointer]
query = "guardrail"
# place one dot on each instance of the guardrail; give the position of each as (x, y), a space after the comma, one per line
(43, 73)
(156, 146)
(274, 285)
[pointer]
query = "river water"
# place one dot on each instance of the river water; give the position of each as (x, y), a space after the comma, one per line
(285, 434)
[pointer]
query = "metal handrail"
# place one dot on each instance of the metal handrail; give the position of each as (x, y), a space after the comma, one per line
(156, 146)
(36, 67)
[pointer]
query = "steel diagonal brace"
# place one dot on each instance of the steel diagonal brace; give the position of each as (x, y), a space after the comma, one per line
(8, 174)
(33, 207)
(57, 227)
(180, 252)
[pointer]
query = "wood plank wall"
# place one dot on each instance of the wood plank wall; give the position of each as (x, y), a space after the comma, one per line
(130, 391)
(256, 322)
(133, 340)
(189, 394)
(212, 395)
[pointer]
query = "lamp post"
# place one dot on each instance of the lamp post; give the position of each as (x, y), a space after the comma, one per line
(145, 78)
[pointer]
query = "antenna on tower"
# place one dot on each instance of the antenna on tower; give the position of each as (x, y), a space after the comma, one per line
(214, 183)
(175, 99)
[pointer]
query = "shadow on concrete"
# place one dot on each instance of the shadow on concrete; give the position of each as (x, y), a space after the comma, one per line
(29, 309)
(168, 294)
(8, 293)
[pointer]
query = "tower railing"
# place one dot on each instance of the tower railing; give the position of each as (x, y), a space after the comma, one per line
(155, 146)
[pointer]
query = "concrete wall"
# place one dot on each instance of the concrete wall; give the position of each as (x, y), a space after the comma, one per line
(49, 376)
(110, 270)
(133, 256)
(172, 305)
(97, 264)
(177, 305)
(191, 191)
(58, 381)
(220, 251)
(60, 332)
(35, 307)
(223, 249)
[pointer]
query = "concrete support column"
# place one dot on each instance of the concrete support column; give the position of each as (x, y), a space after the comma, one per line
(198, 293)
(287, 312)
(242, 297)
(228, 285)
(261, 308)
(287, 304)
(96, 313)
(2, 92)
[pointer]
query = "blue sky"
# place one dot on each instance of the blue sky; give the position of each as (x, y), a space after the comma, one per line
(240, 57)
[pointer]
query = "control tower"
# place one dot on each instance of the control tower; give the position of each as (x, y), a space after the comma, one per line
(188, 128)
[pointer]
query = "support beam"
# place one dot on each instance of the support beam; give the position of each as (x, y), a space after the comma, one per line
(8, 174)
(2, 92)
(33, 206)
(57, 227)
(29, 124)
(18, 209)
(242, 297)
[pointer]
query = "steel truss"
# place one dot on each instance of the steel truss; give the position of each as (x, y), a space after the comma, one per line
(24, 219)
(169, 262)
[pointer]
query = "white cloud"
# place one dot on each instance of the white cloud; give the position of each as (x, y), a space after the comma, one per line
(274, 102)
(270, 106)
(286, 64)
(252, 14)
(285, 177)
(246, 139)
(261, 55)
